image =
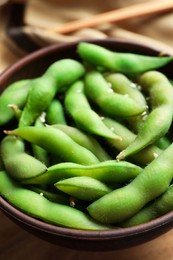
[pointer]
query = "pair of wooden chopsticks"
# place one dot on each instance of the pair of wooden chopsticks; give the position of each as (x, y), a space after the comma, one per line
(122, 14)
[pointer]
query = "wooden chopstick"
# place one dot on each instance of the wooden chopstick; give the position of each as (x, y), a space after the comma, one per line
(117, 15)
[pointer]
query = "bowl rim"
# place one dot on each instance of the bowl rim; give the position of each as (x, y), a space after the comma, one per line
(28, 58)
(64, 231)
(80, 233)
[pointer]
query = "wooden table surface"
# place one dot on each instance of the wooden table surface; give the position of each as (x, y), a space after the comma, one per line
(17, 244)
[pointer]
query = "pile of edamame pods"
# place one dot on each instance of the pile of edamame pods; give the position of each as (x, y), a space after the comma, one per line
(88, 144)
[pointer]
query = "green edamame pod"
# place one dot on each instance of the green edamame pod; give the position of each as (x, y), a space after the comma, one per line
(123, 85)
(147, 186)
(83, 188)
(84, 116)
(98, 90)
(56, 142)
(153, 210)
(108, 172)
(142, 157)
(85, 140)
(16, 110)
(55, 113)
(16, 93)
(38, 152)
(59, 197)
(52, 196)
(127, 63)
(38, 206)
(17, 162)
(163, 143)
(65, 72)
(43, 89)
(159, 120)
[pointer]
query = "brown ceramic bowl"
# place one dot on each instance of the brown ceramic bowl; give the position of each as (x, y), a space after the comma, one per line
(31, 66)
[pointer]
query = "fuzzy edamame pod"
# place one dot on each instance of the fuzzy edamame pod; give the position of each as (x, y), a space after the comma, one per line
(65, 72)
(38, 152)
(98, 90)
(159, 119)
(127, 63)
(143, 157)
(16, 94)
(56, 142)
(52, 196)
(84, 116)
(41, 208)
(83, 188)
(55, 113)
(85, 140)
(108, 172)
(125, 202)
(153, 210)
(43, 89)
(16, 110)
(17, 162)
(163, 142)
(59, 197)
(123, 85)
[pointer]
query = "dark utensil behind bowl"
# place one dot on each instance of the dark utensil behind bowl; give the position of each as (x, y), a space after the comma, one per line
(34, 65)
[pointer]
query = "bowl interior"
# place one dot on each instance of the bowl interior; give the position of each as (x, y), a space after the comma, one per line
(34, 65)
